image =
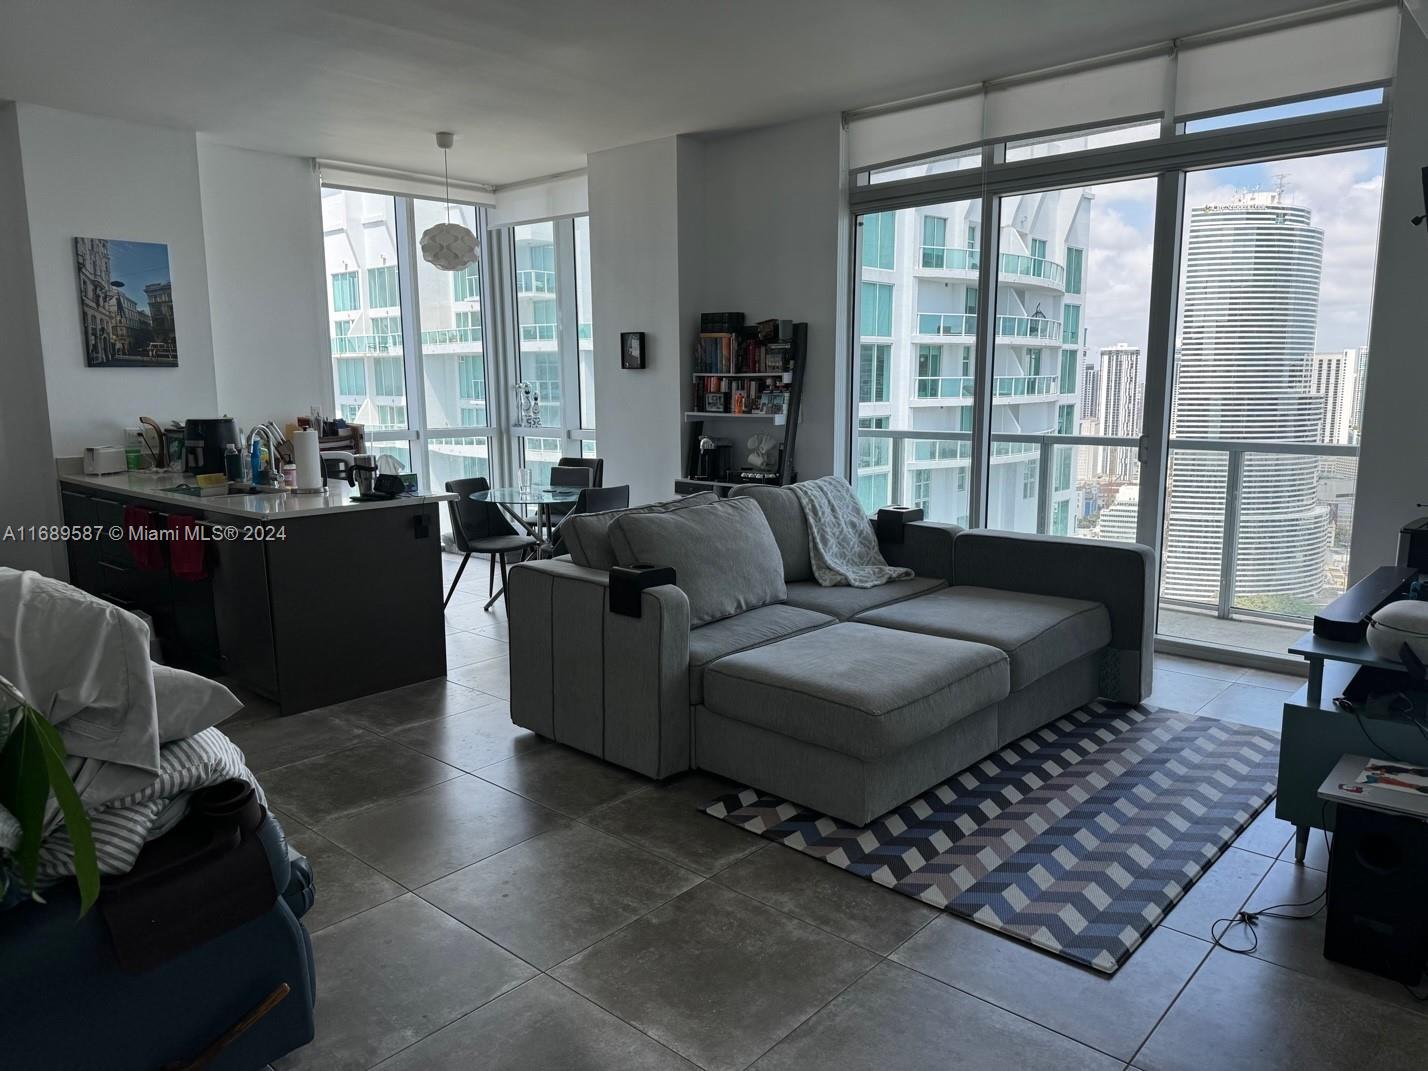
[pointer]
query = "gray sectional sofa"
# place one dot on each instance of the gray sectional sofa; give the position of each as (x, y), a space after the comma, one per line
(846, 700)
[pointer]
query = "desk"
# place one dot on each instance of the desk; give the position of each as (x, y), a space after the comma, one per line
(1316, 734)
(513, 500)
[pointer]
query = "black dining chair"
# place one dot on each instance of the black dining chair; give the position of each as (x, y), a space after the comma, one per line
(596, 465)
(481, 528)
(591, 500)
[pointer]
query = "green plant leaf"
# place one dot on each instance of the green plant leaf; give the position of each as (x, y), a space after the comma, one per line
(25, 788)
(31, 767)
(81, 836)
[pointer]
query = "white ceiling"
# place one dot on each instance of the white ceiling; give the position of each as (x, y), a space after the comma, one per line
(532, 86)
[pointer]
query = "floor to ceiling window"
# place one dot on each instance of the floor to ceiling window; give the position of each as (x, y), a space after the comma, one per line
(1073, 305)
(363, 235)
(1277, 267)
(413, 357)
(555, 372)
(914, 374)
(1172, 341)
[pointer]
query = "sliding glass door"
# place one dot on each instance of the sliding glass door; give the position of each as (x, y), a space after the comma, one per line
(1277, 269)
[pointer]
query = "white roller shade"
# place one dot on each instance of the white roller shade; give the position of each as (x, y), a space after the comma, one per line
(552, 198)
(401, 183)
(1296, 61)
(918, 130)
(1220, 71)
(1092, 96)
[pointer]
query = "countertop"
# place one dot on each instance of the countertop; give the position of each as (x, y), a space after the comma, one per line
(156, 487)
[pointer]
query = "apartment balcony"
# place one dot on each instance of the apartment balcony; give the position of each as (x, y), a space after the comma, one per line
(1004, 388)
(1238, 608)
(1015, 329)
(538, 332)
(943, 325)
(1032, 271)
(350, 345)
(451, 340)
(1011, 330)
(946, 260)
(533, 281)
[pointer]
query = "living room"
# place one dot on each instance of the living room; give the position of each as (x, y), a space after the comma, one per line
(894, 543)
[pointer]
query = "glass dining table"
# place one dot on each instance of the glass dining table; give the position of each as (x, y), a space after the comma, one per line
(515, 501)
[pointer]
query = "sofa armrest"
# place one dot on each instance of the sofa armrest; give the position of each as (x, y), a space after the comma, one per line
(609, 684)
(926, 548)
(1121, 576)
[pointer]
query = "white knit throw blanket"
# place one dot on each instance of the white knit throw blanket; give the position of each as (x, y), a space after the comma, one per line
(840, 539)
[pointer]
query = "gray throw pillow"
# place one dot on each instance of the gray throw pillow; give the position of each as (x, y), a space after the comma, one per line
(724, 555)
(784, 513)
(587, 535)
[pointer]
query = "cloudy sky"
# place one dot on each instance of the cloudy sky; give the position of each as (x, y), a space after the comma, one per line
(1343, 190)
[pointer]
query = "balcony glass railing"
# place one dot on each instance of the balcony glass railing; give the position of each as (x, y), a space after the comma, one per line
(947, 323)
(1028, 327)
(945, 386)
(1047, 271)
(1289, 507)
(384, 343)
(1011, 265)
(951, 258)
(535, 281)
(537, 332)
(447, 336)
(1024, 386)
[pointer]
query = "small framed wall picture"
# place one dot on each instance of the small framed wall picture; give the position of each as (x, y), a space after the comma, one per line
(632, 349)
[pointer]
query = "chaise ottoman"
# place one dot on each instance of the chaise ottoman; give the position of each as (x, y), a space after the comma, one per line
(850, 719)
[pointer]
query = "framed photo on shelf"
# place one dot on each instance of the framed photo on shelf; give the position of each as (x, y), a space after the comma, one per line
(632, 349)
(713, 402)
(774, 401)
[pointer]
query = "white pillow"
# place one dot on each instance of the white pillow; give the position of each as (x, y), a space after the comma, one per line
(188, 704)
(84, 664)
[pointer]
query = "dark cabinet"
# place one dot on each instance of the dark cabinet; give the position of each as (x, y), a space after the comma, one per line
(337, 606)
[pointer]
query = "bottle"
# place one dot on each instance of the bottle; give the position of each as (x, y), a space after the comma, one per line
(233, 463)
(256, 461)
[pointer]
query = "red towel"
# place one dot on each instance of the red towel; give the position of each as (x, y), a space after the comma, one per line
(148, 554)
(185, 548)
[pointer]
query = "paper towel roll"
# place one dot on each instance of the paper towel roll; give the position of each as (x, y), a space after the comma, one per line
(309, 467)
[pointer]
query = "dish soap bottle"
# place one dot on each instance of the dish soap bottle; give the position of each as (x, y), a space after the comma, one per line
(256, 461)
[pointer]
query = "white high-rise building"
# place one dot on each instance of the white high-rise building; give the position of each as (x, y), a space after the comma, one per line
(1335, 378)
(1090, 391)
(1120, 409)
(1249, 319)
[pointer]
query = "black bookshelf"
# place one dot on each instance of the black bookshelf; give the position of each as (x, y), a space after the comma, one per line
(744, 382)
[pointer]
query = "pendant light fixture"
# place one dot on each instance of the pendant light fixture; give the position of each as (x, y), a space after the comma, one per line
(448, 246)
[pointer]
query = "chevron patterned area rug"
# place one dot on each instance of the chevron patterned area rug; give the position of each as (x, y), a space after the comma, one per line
(1077, 838)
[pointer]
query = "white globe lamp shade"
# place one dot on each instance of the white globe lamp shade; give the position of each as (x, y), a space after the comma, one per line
(448, 246)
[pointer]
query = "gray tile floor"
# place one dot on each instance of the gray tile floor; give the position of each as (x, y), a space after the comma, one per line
(487, 899)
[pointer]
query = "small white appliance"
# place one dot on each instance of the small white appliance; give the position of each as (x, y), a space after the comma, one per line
(103, 460)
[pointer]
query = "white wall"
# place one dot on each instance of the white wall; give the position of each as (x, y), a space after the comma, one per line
(1393, 458)
(102, 178)
(775, 245)
(635, 246)
(28, 495)
(262, 231)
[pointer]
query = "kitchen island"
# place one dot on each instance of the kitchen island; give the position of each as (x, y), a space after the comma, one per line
(306, 600)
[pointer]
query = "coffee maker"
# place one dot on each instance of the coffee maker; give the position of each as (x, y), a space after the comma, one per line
(716, 458)
(205, 441)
